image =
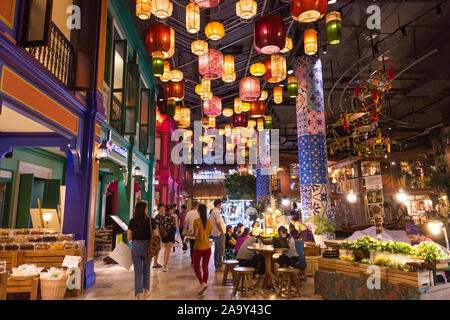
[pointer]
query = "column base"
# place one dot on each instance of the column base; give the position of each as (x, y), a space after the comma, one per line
(89, 274)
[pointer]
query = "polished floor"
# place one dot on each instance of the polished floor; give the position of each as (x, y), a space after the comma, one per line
(179, 283)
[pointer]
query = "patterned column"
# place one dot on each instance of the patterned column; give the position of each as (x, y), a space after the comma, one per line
(263, 189)
(311, 131)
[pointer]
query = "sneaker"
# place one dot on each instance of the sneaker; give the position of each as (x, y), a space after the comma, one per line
(164, 269)
(203, 288)
(158, 266)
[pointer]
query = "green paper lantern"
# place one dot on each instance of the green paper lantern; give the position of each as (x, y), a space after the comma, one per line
(268, 123)
(334, 27)
(158, 67)
(293, 90)
(171, 109)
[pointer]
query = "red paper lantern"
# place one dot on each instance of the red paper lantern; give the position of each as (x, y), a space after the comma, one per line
(308, 10)
(240, 120)
(207, 3)
(258, 109)
(268, 75)
(213, 107)
(174, 90)
(250, 89)
(158, 39)
(270, 35)
(210, 65)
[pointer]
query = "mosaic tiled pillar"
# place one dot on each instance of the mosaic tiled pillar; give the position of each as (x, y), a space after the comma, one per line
(311, 131)
(263, 189)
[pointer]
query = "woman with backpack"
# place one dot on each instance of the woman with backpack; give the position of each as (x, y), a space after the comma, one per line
(167, 228)
(202, 247)
(140, 231)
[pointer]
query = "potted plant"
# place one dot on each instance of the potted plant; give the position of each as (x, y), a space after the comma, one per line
(322, 225)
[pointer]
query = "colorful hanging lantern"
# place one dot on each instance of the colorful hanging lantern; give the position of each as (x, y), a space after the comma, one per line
(288, 46)
(160, 38)
(210, 65)
(212, 122)
(258, 69)
(221, 132)
(228, 130)
(199, 89)
(199, 47)
(307, 11)
(174, 90)
(260, 124)
(310, 39)
(171, 106)
(257, 110)
(192, 18)
(264, 95)
(268, 122)
(278, 95)
(251, 123)
(167, 75)
(228, 69)
(246, 106)
(206, 85)
(250, 89)
(334, 27)
(205, 124)
(246, 9)
(278, 67)
(237, 105)
(162, 8)
(176, 75)
(213, 107)
(214, 30)
(227, 112)
(207, 96)
(292, 87)
(177, 115)
(206, 3)
(143, 9)
(269, 77)
(270, 35)
(158, 67)
(240, 120)
(228, 78)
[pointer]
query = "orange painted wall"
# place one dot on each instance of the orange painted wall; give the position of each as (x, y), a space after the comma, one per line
(7, 9)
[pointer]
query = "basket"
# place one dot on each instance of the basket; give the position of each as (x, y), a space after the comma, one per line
(53, 289)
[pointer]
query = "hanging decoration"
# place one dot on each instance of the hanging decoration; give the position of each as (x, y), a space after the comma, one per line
(192, 18)
(307, 11)
(251, 123)
(162, 8)
(246, 106)
(257, 110)
(268, 122)
(228, 78)
(246, 9)
(334, 27)
(167, 75)
(288, 46)
(310, 40)
(212, 122)
(237, 105)
(258, 69)
(160, 38)
(227, 112)
(292, 87)
(279, 64)
(158, 66)
(177, 115)
(214, 31)
(260, 124)
(264, 95)
(250, 89)
(176, 75)
(278, 95)
(240, 120)
(270, 34)
(228, 69)
(174, 90)
(205, 124)
(144, 9)
(199, 47)
(210, 65)
(228, 130)
(171, 107)
(213, 107)
(206, 3)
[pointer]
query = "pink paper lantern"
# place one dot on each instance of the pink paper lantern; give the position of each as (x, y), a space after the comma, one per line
(207, 3)
(250, 89)
(210, 65)
(213, 107)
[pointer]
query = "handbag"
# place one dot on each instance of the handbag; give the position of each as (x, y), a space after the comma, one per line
(154, 244)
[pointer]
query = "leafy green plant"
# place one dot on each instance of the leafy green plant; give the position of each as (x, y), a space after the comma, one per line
(261, 207)
(240, 186)
(322, 225)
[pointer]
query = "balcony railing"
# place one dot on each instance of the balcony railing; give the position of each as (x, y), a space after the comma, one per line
(57, 57)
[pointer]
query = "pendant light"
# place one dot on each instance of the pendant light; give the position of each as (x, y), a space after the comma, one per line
(177, 115)
(310, 40)
(160, 38)
(240, 120)
(199, 47)
(227, 112)
(206, 3)
(246, 9)
(192, 18)
(260, 124)
(268, 122)
(307, 11)
(213, 107)
(228, 78)
(228, 130)
(237, 105)
(158, 65)
(258, 109)
(258, 69)
(334, 27)
(144, 9)
(292, 87)
(162, 8)
(174, 90)
(228, 69)
(212, 122)
(176, 75)
(250, 89)
(264, 95)
(167, 74)
(278, 95)
(246, 106)
(288, 46)
(214, 31)
(210, 65)
(270, 34)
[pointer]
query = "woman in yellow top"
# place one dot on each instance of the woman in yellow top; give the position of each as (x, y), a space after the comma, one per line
(202, 248)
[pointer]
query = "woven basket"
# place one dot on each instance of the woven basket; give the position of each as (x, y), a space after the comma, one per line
(53, 289)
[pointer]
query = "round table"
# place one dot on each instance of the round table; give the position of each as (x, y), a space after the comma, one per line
(268, 275)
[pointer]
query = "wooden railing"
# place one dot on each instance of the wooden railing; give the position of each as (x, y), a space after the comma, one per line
(57, 57)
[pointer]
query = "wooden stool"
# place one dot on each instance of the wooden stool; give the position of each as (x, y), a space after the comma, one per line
(291, 277)
(229, 266)
(244, 279)
(3, 285)
(24, 286)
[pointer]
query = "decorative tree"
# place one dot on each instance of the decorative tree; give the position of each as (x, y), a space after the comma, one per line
(240, 186)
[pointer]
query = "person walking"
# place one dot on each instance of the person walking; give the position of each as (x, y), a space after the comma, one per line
(140, 230)
(191, 216)
(181, 220)
(202, 247)
(167, 228)
(161, 209)
(218, 233)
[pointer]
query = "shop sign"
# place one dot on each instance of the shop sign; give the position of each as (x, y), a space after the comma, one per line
(374, 182)
(111, 146)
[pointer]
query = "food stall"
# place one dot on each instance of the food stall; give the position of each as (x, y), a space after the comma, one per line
(234, 211)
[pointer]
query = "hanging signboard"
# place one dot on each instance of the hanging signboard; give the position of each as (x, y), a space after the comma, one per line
(373, 182)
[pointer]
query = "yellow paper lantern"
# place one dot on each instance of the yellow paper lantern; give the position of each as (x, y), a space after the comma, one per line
(167, 75)
(143, 9)
(212, 122)
(310, 40)
(206, 84)
(251, 123)
(228, 130)
(260, 124)
(162, 8)
(207, 96)
(246, 106)
(199, 89)
(199, 47)
(228, 64)
(246, 9)
(289, 45)
(185, 120)
(221, 132)
(264, 95)
(192, 18)
(258, 69)
(205, 150)
(177, 115)
(187, 135)
(214, 30)
(237, 105)
(278, 67)
(228, 78)
(278, 95)
(227, 112)
(176, 75)
(205, 122)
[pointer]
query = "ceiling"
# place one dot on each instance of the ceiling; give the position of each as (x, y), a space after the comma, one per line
(415, 106)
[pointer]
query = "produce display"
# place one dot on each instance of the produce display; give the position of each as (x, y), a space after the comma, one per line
(54, 274)
(36, 239)
(392, 254)
(25, 271)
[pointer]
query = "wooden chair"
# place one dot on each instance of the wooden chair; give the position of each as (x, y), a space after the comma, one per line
(229, 266)
(289, 282)
(243, 279)
(3, 285)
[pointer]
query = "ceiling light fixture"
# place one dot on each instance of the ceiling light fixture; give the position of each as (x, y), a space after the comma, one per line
(331, 1)
(291, 71)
